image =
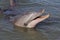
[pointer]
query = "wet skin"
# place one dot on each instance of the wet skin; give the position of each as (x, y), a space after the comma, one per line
(30, 20)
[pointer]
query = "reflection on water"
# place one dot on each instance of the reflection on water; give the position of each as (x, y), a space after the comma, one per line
(46, 30)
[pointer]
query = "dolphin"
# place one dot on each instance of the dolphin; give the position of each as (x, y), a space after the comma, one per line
(30, 20)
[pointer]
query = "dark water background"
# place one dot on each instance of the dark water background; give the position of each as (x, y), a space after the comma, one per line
(46, 30)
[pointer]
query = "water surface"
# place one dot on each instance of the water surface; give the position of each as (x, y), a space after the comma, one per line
(46, 30)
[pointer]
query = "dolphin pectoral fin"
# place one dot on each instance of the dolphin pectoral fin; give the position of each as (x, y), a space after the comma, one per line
(33, 23)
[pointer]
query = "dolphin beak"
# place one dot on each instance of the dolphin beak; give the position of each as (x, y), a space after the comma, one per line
(34, 22)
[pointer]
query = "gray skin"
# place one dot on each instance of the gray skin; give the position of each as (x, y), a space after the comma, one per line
(29, 20)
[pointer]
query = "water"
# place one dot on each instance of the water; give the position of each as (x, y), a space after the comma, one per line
(46, 30)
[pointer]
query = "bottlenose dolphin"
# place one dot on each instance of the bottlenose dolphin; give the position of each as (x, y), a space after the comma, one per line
(30, 20)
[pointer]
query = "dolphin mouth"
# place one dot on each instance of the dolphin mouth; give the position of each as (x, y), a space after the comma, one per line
(42, 16)
(37, 18)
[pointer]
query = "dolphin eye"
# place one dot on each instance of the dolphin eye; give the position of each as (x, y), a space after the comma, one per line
(25, 24)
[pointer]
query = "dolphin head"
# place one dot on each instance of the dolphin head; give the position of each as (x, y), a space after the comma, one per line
(30, 20)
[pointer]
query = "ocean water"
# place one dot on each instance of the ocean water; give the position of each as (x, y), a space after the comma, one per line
(49, 29)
